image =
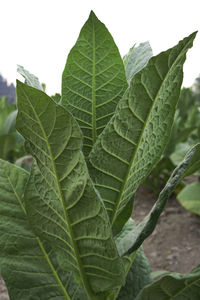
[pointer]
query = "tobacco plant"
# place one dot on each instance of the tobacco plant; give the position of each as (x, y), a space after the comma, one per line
(65, 227)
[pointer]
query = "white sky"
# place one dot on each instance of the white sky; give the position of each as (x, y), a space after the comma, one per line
(38, 34)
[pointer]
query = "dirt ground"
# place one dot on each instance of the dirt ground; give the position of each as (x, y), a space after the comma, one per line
(175, 243)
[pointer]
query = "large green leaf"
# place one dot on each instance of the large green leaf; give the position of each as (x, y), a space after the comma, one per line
(131, 241)
(189, 197)
(174, 286)
(133, 141)
(61, 202)
(27, 264)
(136, 59)
(93, 80)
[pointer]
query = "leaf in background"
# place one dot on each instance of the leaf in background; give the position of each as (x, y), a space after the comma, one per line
(25, 162)
(178, 155)
(30, 79)
(189, 197)
(174, 286)
(7, 143)
(133, 141)
(56, 98)
(138, 277)
(121, 239)
(27, 264)
(136, 59)
(132, 240)
(93, 80)
(9, 123)
(5, 110)
(61, 202)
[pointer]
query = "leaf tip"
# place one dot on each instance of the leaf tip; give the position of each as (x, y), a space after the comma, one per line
(92, 15)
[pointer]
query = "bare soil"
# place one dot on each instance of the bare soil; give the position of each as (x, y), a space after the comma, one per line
(174, 244)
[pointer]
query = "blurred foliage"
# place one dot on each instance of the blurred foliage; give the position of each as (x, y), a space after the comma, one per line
(11, 142)
(189, 197)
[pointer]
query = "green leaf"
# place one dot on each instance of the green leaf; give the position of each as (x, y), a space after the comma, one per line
(138, 277)
(25, 162)
(5, 110)
(121, 239)
(179, 153)
(136, 59)
(61, 202)
(158, 273)
(137, 266)
(9, 124)
(133, 141)
(194, 163)
(93, 80)
(7, 143)
(30, 79)
(56, 98)
(28, 265)
(174, 286)
(132, 240)
(189, 197)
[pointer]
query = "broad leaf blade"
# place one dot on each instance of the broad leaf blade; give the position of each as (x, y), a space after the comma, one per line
(189, 197)
(27, 264)
(133, 141)
(136, 59)
(30, 79)
(62, 204)
(93, 80)
(132, 241)
(174, 286)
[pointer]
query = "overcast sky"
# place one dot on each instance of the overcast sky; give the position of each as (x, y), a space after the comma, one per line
(38, 34)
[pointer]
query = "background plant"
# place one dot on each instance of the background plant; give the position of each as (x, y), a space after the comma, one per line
(11, 141)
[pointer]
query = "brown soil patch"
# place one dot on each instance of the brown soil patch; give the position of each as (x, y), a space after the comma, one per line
(175, 243)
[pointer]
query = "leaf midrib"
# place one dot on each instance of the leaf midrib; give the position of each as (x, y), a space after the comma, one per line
(80, 267)
(94, 132)
(115, 210)
(41, 245)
